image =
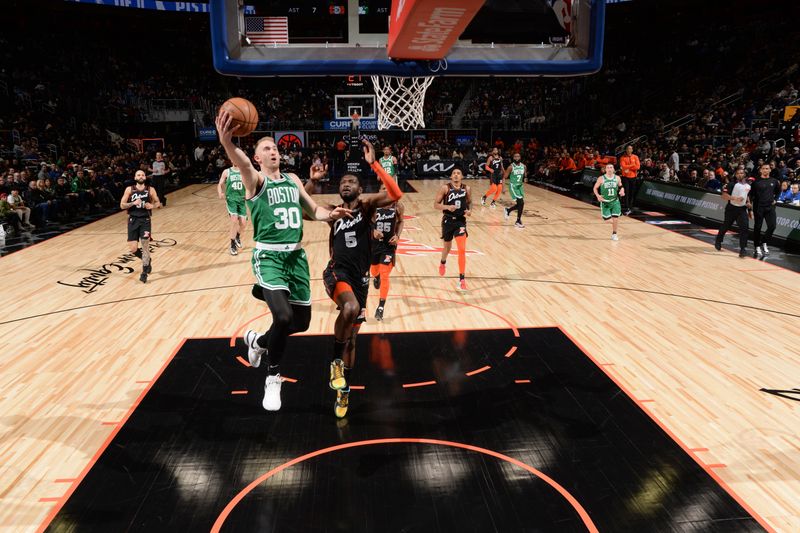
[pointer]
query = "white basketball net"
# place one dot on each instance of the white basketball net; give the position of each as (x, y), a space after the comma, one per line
(401, 101)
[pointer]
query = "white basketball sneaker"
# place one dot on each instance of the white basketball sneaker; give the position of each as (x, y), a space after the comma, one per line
(254, 351)
(272, 393)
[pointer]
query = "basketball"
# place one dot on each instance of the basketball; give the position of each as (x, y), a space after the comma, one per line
(244, 115)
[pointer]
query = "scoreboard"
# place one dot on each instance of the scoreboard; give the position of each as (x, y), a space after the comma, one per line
(284, 8)
(320, 21)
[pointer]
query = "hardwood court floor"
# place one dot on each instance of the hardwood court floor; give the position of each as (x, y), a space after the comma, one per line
(692, 334)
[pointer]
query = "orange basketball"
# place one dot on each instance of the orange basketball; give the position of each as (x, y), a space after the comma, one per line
(244, 115)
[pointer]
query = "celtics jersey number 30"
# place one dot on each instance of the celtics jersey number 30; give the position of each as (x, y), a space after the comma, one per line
(276, 212)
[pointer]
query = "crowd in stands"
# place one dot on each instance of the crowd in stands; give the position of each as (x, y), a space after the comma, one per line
(44, 191)
(63, 124)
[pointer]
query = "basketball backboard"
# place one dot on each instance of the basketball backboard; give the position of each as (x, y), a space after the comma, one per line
(345, 37)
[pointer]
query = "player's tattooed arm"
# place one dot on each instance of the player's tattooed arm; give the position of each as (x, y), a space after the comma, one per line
(438, 202)
(125, 203)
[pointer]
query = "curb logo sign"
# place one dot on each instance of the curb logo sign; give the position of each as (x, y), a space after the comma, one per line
(409, 247)
(97, 277)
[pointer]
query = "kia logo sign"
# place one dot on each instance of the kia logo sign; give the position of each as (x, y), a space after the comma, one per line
(443, 167)
(437, 168)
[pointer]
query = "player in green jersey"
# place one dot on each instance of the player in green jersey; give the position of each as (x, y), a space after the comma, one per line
(277, 202)
(608, 189)
(389, 162)
(515, 174)
(231, 188)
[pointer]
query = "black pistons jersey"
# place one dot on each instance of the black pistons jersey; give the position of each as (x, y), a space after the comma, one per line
(350, 242)
(135, 196)
(458, 198)
(386, 223)
(497, 165)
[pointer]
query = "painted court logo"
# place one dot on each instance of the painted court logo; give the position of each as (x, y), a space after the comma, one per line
(97, 277)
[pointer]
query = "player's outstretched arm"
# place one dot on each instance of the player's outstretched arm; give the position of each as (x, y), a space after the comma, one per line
(315, 173)
(392, 193)
(468, 206)
(225, 130)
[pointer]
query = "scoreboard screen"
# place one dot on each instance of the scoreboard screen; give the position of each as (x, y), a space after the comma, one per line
(319, 21)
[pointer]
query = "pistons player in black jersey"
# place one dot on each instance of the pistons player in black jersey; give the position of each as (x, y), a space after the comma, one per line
(139, 200)
(495, 168)
(346, 277)
(454, 200)
(387, 225)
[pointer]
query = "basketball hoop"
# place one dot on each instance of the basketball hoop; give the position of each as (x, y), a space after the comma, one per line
(401, 101)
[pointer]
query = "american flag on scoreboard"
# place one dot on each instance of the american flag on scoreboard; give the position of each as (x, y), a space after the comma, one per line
(267, 30)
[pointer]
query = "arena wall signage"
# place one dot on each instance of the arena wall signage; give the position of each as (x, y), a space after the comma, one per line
(589, 176)
(710, 206)
(435, 169)
(207, 134)
(443, 167)
(290, 139)
(366, 124)
(159, 5)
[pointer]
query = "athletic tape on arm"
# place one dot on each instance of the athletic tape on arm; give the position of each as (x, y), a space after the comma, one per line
(392, 189)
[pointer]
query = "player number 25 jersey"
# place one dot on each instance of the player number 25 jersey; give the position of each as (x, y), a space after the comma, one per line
(386, 222)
